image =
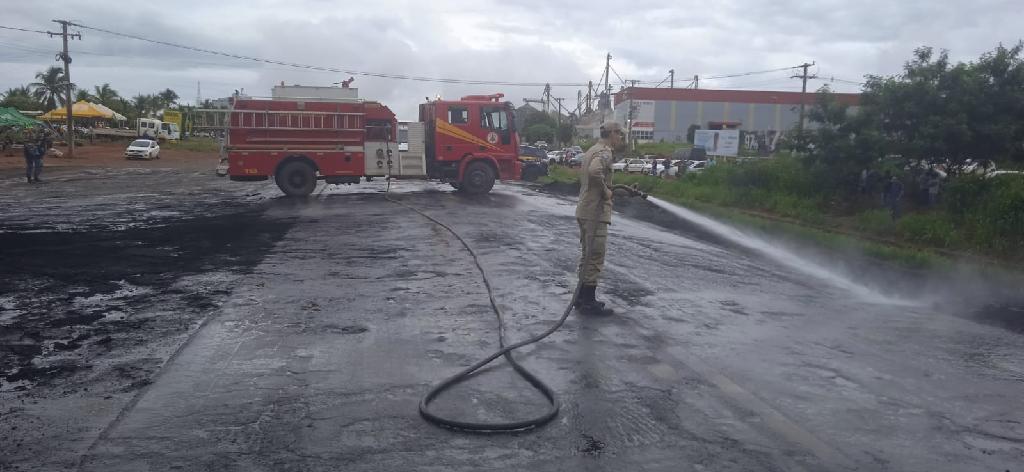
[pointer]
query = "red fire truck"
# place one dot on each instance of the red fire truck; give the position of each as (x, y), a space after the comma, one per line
(468, 143)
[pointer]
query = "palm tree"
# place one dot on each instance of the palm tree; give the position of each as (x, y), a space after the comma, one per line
(20, 98)
(167, 98)
(106, 95)
(82, 94)
(50, 88)
(143, 104)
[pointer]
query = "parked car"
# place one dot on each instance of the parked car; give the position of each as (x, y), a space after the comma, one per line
(577, 161)
(638, 165)
(533, 170)
(698, 153)
(619, 166)
(142, 149)
(530, 153)
(697, 167)
(556, 156)
(1005, 174)
(541, 144)
(672, 170)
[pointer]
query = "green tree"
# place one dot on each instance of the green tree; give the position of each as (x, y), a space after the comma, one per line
(166, 98)
(50, 87)
(539, 132)
(842, 143)
(539, 118)
(144, 105)
(691, 132)
(20, 98)
(566, 132)
(938, 110)
(83, 94)
(106, 95)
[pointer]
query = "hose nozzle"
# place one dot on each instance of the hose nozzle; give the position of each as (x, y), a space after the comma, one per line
(633, 190)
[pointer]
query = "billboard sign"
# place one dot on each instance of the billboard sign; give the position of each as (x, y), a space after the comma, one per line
(725, 142)
(172, 116)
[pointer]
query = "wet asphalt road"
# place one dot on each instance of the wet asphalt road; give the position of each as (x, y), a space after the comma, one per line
(313, 354)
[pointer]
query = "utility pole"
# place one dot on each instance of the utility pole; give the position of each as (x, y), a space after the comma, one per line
(671, 78)
(590, 97)
(696, 81)
(63, 56)
(803, 94)
(547, 97)
(629, 123)
(558, 127)
(607, 66)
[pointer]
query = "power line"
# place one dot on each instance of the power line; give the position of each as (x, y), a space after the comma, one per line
(744, 74)
(617, 75)
(23, 29)
(836, 79)
(330, 69)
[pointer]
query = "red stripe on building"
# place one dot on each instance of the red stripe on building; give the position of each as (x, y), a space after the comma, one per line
(731, 96)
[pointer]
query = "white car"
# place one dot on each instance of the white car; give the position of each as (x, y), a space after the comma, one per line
(638, 165)
(142, 149)
(697, 167)
(673, 169)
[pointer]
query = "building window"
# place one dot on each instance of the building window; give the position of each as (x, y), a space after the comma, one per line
(643, 135)
(458, 115)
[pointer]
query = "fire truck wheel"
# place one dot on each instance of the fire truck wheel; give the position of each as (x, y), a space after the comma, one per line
(296, 179)
(478, 178)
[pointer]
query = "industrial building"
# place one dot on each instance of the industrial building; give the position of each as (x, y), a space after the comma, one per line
(666, 114)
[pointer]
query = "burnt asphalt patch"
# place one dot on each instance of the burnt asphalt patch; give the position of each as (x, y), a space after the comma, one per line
(103, 275)
(68, 290)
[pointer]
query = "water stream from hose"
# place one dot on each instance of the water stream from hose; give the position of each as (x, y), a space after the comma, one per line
(779, 254)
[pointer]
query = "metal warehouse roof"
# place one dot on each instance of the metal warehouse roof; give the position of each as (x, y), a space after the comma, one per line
(732, 96)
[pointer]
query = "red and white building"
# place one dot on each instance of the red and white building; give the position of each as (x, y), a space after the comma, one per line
(664, 114)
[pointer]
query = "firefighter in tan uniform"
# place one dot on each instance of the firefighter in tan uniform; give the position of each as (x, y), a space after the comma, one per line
(594, 214)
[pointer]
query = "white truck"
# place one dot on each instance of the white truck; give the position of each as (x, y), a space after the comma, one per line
(157, 129)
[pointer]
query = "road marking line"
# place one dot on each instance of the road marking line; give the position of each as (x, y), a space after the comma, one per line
(772, 417)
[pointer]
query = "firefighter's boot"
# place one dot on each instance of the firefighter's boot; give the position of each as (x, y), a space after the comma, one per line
(587, 303)
(587, 293)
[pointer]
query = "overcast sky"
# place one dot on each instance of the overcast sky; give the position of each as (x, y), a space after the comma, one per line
(508, 40)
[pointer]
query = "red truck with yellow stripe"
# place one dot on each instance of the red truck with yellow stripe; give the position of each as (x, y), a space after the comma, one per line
(468, 143)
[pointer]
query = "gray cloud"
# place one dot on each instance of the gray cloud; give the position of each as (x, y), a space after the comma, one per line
(529, 41)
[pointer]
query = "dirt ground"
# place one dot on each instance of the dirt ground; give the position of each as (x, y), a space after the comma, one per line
(111, 155)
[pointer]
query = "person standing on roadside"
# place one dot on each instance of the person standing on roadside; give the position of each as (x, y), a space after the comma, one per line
(891, 196)
(594, 214)
(33, 151)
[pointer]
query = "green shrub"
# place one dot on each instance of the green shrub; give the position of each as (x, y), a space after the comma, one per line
(989, 211)
(932, 229)
(877, 222)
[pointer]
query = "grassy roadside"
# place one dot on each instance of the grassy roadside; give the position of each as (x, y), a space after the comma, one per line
(800, 223)
(193, 145)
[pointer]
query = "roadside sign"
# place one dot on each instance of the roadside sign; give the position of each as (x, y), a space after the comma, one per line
(172, 116)
(725, 142)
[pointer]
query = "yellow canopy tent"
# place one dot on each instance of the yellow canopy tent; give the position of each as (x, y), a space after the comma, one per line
(82, 109)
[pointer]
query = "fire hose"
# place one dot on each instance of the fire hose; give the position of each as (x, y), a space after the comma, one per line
(504, 350)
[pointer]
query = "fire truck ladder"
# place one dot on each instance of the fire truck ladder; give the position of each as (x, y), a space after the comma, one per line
(341, 127)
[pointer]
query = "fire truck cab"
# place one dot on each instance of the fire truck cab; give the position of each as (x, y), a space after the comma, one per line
(469, 143)
(472, 141)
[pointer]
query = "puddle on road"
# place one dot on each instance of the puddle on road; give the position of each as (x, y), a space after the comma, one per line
(1010, 317)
